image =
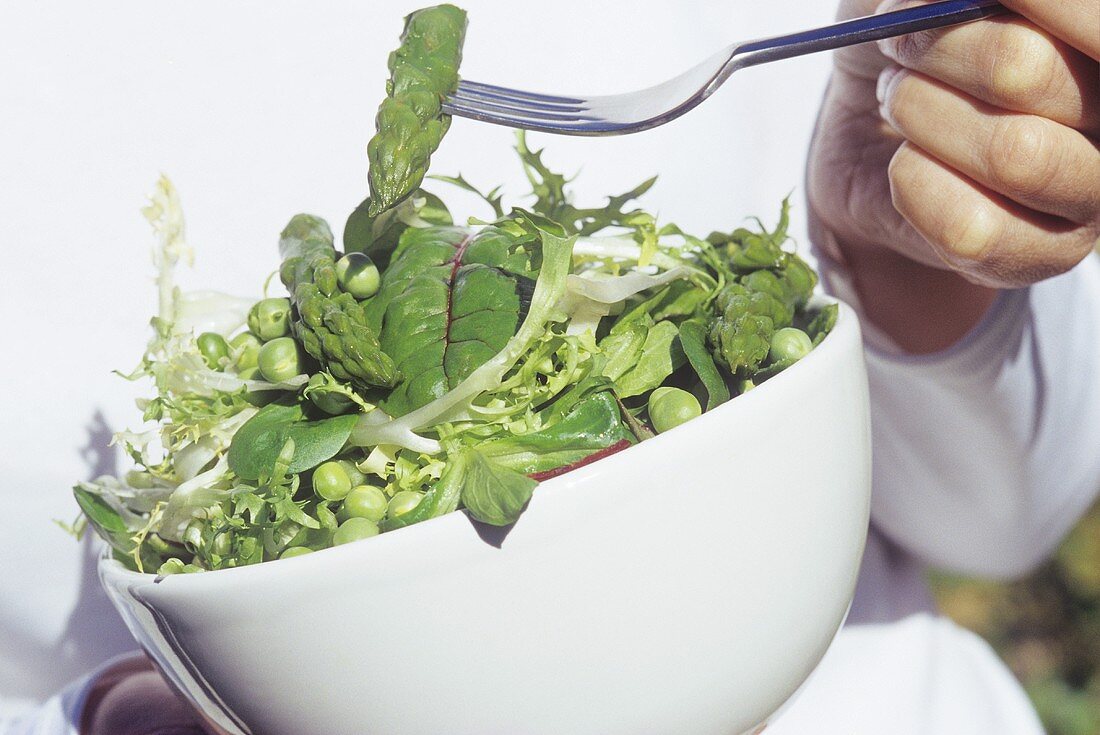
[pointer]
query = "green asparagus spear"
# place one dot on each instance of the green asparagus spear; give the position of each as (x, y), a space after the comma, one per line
(411, 123)
(329, 324)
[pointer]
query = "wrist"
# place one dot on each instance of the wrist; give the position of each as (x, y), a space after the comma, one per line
(920, 309)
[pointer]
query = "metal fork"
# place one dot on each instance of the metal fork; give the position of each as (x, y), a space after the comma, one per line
(619, 114)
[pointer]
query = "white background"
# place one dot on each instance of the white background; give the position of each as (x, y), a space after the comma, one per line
(258, 110)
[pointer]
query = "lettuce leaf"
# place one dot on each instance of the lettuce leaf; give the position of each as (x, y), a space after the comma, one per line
(693, 341)
(491, 493)
(592, 424)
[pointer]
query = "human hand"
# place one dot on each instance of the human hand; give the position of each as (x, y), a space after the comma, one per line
(131, 698)
(977, 170)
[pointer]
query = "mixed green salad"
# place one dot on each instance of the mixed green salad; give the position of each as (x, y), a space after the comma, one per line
(424, 366)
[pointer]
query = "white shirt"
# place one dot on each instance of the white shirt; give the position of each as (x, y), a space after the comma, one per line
(261, 109)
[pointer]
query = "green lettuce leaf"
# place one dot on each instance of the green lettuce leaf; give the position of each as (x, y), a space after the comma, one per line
(693, 341)
(592, 424)
(105, 520)
(823, 323)
(257, 444)
(640, 353)
(491, 493)
(661, 355)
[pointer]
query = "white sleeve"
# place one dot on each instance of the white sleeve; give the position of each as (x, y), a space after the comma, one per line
(59, 715)
(985, 455)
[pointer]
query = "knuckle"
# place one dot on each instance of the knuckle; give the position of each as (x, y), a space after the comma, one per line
(1024, 263)
(970, 234)
(962, 232)
(912, 47)
(1024, 68)
(1023, 156)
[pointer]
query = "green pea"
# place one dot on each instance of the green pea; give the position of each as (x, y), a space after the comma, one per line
(280, 359)
(213, 348)
(331, 403)
(366, 501)
(356, 475)
(403, 502)
(354, 529)
(246, 346)
(270, 319)
(789, 345)
(670, 407)
(331, 482)
(358, 275)
(292, 551)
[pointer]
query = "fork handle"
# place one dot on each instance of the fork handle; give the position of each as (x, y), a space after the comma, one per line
(862, 30)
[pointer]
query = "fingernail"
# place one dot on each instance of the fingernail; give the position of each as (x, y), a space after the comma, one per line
(888, 75)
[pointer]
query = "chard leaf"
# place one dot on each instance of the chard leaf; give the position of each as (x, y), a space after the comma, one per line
(494, 494)
(556, 259)
(452, 300)
(693, 336)
(257, 444)
(594, 423)
(378, 236)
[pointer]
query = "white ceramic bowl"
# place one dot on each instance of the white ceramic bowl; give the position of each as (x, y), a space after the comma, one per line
(685, 586)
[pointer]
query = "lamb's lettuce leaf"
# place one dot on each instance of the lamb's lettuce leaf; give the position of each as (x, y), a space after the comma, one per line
(693, 341)
(592, 424)
(640, 353)
(491, 493)
(257, 444)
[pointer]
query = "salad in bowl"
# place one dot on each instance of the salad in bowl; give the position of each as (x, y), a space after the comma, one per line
(397, 403)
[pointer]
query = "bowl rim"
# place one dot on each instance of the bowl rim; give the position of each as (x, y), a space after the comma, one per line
(847, 324)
